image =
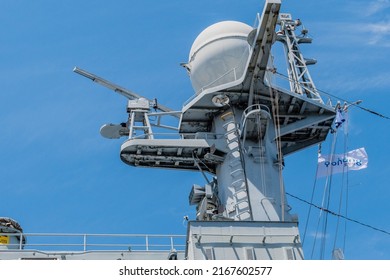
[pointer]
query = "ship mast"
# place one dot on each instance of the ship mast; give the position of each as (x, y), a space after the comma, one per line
(238, 127)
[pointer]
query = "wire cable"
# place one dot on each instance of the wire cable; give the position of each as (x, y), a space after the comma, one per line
(311, 200)
(339, 98)
(339, 215)
(325, 198)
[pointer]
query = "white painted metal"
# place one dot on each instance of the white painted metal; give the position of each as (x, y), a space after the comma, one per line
(114, 131)
(243, 241)
(298, 73)
(218, 55)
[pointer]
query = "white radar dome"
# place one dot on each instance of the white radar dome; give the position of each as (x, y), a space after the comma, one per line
(218, 55)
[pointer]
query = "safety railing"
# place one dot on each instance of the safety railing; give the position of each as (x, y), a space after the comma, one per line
(198, 135)
(97, 242)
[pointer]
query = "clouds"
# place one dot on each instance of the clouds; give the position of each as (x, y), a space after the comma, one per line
(358, 22)
(376, 7)
(352, 48)
(378, 33)
(378, 26)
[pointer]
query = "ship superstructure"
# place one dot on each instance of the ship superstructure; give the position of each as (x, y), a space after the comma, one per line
(237, 128)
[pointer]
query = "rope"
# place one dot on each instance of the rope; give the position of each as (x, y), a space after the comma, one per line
(262, 165)
(343, 186)
(325, 199)
(328, 196)
(311, 199)
(339, 215)
(339, 98)
(200, 168)
(276, 119)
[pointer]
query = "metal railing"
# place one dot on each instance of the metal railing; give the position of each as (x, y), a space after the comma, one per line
(175, 136)
(97, 242)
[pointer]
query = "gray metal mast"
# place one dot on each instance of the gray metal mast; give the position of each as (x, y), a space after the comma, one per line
(237, 127)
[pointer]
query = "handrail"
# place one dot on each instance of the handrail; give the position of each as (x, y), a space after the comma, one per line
(87, 242)
(205, 135)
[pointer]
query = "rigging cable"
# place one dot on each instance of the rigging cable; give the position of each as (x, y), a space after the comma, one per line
(260, 146)
(311, 199)
(325, 199)
(274, 96)
(344, 179)
(342, 99)
(200, 168)
(341, 216)
(328, 187)
(262, 164)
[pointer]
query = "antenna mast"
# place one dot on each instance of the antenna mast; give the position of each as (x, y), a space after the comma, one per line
(237, 127)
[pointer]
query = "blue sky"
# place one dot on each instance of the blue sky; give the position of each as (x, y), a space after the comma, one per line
(59, 175)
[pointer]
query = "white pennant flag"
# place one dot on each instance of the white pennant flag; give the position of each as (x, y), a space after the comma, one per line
(340, 118)
(332, 164)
